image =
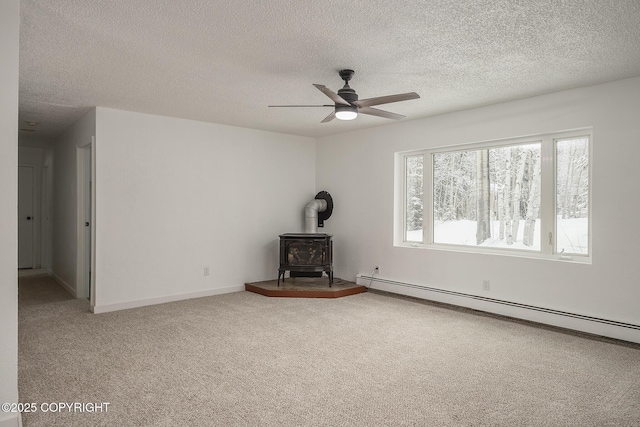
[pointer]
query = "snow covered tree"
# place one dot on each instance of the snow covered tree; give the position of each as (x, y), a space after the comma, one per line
(572, 178)
(483, 220)
(507, 209)
(414, 198)
(521, 156)
(533, 205)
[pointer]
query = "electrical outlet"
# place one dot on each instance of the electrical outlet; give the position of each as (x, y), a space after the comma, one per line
(206, 271)
(486, 285)
(377, 269)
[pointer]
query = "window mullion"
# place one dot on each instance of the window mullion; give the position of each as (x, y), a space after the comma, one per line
(404, 198)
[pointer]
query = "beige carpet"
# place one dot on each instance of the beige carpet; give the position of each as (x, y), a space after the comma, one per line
(243, 359)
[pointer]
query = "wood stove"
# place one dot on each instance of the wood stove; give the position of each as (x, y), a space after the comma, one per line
(306, 255)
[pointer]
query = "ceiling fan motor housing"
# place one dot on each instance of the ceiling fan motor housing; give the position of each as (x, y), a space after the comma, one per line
(348, 95)
(346, 92)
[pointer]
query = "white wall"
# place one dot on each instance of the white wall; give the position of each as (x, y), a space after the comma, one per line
(357, 169)
(64, 199)
(9, 42)
(175, 196)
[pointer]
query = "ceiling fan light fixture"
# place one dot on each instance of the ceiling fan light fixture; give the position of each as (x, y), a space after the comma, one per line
(346, 112)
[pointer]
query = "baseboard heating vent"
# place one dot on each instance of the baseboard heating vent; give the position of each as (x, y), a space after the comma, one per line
(388, 285)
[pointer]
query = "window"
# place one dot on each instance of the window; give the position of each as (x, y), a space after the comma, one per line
(522, 195)
(572, 196)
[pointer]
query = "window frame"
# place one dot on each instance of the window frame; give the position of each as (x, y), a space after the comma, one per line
(548, 199)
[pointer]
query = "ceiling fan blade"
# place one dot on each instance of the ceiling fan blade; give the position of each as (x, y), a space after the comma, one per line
(386, 99)
(380, 113)
(331, 94)
(329, 117)
(328, 105)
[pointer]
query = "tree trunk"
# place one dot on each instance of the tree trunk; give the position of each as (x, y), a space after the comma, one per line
(506, 201)
(566, 199)
(483, 202)
(500, 210)
(533, 207)
(578, 192)
(517, 191)
(452, 188)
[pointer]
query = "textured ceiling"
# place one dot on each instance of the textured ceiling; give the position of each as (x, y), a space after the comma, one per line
(224, 61)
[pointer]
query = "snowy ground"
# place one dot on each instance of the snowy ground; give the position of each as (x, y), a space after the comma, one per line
(572, 235)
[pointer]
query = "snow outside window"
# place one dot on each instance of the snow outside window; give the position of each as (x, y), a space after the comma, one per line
(414, 196)
(528, 195)
(488, 197)
(572, 196)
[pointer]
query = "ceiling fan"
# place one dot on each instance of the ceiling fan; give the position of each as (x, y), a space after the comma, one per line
(347, 106)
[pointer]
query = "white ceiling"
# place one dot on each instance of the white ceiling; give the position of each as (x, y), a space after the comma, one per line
(224, 61)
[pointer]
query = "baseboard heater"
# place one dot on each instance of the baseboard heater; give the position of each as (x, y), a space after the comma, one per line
(365, 280)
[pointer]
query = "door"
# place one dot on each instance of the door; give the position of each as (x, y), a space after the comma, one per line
(87, 218)
(85, 226)
(25, 216)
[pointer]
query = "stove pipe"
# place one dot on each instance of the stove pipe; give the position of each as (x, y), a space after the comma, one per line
(311, 215)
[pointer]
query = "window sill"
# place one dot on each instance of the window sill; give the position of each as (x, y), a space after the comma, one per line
(575, 259)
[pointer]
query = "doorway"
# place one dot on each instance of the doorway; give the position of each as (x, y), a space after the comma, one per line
(86, 221)
(26, 220)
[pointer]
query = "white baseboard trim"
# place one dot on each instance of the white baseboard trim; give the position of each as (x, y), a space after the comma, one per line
(13, 420)
(64, 284)
(97, 309)
(592, 325)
